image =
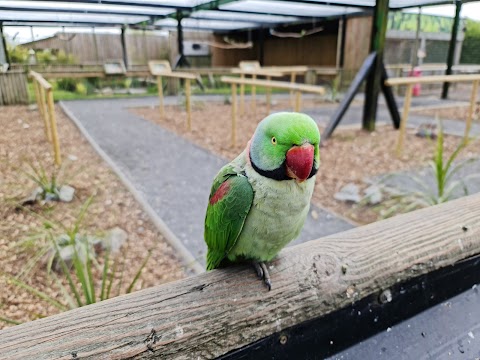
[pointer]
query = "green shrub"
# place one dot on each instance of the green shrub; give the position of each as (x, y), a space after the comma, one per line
(81, 88)
(67, 84)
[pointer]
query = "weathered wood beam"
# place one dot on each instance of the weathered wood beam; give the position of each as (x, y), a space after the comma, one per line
(214, 313)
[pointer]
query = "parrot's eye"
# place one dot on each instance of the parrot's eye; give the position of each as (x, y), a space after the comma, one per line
(274, 140)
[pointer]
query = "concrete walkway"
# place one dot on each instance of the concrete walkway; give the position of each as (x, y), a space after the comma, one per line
(173, 175)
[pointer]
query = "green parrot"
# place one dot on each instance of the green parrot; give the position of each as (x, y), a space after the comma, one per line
(259, 202)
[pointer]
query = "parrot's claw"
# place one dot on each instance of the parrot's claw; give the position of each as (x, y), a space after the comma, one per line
(262, 273)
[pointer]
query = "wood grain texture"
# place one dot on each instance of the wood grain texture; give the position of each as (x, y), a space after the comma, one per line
(431, 79)
(210, 314)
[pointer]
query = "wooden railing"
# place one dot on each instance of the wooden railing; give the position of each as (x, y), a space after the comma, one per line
(411, 81)
(222, 311)
(269, 84)
(46, 106)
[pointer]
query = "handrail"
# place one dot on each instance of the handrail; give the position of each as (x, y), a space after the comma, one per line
(297, 88)
(46, 106)
(412, 80)
(211, 314)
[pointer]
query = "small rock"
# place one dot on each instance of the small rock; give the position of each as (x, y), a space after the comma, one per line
(72, 157)
(314, 214)
(349, 192)
(32, 107)
(107, 91)
(373, 194)
(66, 193)
(114, 239)
(26, 126)
(33, 197)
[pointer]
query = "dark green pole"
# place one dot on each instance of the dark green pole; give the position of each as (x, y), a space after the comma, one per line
(377, 44)
(124, 47)
(453, 45)
(4, 44)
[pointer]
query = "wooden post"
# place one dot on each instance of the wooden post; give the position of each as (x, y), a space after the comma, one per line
(160, 95)
(298, 101)
(242, 95)
(293, 76)
(269, 95)
(53, 127)
(40, 102)
(44, 110)
(403, 122)
(234, 114)
(471, 110)
(188, 105)
(254, 92)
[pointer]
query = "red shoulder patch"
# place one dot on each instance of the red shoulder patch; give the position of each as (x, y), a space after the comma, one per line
(220, 193)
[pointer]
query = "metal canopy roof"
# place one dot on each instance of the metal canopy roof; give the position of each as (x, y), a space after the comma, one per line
(219, 15)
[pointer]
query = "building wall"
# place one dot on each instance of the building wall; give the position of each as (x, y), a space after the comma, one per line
(314, 50)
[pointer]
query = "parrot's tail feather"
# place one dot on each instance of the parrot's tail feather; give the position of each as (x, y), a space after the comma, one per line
(214, 258)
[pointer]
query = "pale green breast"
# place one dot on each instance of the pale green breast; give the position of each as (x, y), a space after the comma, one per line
(277, 216)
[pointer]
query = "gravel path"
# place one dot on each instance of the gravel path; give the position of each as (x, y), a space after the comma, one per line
(173, 175)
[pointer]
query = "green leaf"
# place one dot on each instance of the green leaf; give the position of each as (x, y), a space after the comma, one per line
(139, 272)
(38, 293)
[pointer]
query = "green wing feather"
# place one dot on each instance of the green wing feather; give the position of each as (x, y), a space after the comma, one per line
(226, 214)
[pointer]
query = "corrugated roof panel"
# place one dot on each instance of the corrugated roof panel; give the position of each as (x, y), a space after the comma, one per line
(207, 24)
(66, 18)
(287, 8)
(71, 6)
(258, 18)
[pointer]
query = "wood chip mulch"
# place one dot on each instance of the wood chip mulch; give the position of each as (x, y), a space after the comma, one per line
(23, 142)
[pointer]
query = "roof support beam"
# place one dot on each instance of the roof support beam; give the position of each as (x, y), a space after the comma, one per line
(105, 12)
(377, 44)
(127, 3)
(452, 46)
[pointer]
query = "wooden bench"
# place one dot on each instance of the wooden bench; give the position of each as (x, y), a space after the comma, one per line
(411, 81)
(373, 270)
(297, 88)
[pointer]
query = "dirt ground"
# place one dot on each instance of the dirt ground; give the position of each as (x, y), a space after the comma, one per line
(350, 156)
(23, 142)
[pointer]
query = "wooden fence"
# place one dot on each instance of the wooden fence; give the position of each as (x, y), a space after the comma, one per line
(231, 311)
(46, 106)
(13, 88)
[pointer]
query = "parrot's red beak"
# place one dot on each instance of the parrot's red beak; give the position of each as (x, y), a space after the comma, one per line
(300, 161)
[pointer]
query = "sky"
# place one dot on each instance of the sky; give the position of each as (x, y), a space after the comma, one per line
(23, 34)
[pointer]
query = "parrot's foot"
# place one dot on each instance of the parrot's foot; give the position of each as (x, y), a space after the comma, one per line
(262, 273)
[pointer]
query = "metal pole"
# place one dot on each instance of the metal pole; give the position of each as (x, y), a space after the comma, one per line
(124, 47)
(4, 44)
(451, 48)
(372, 91)
(181, 58)
(261, 47)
